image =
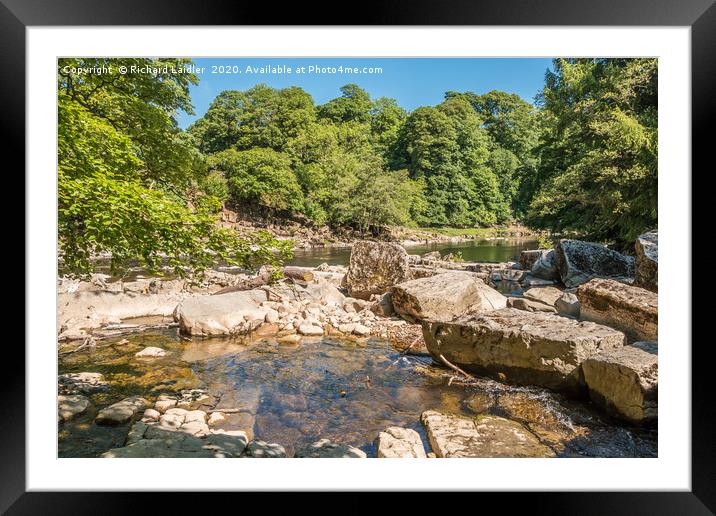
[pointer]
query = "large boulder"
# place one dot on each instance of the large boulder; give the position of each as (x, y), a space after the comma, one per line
(647, 261)
(445, 296)
(545, 267)
(633, 310)
(375, 267)
(222, 314)
(399, 443)
(578, 262)
(528, 348)
(483, 436)
(624, 381)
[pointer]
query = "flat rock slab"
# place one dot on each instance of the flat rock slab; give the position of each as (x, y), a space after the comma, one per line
(445, 296)
(375, 267)
(484, 436)
(546, 295)
(122, 411)
(402, 443)
(529, 305)
(528, 348)
(71, 406)
(578, 262)
(85, 383)
(223, 314)
(625, 381)
(647, 261)
(325, 449)
(633, 310)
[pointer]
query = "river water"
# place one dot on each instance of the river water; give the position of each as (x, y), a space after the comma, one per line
(344, 390)
(493, 250)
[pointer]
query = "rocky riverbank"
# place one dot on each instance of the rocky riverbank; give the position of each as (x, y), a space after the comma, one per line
(579, 328)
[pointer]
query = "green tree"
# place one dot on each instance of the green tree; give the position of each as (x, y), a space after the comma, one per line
(353, 106)
(116, 195)
(260, 177)
(598, 155)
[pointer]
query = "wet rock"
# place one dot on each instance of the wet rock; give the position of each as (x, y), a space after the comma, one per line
(482, 436)
(150, 352)
(528, 280)
(506, 275)
(85, 383)
(647, 261)
(546, 295)
(310, 329)
(578, 262)
(264, 450)
(625, 381)
(532, 348)
(375, 267)
(529, 305)
(71, 406)
(289, 340)
(633, 310)
(445, 296)
(528, 258)
(479, 402)
(402, 443)
(122, 411)
(545, 267)
(325, 449)
(568, 305)
(222, 314)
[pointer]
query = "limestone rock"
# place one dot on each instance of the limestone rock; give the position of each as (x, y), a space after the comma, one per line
(375, 267)
(445, 296)
(325, 449)
(528, 258)
(150, 352)
(624, 381)
(122, 411)
(546, 295)
(482, 436)
(545, 267)
(397, 442)
(71, 406)
(264, 450)
(529, 305)
(310, 329)
(578, 262)
(568, 305)
(633, 310)
(222, 314)
(85, 383)
(647, 261)
(529, 348)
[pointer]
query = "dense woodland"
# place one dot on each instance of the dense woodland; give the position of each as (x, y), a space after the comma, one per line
(581, 160)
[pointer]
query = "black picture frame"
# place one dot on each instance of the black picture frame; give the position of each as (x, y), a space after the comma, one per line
(700, 15)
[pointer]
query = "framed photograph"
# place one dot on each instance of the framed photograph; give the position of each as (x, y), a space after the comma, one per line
(423, 233)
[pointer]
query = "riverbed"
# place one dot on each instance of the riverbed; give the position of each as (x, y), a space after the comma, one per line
(346, 390)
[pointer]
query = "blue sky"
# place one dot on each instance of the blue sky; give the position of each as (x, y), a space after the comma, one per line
(413, 82)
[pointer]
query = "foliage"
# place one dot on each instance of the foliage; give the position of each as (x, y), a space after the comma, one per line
(124, 168)
(598, 155)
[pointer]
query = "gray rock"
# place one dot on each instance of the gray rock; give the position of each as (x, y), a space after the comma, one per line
(545, 267)
(71, 406)
(222, 314)
(483, 436)
(122, 411)
(375, 267)
(384, 305)
(432, 255)
(578, 262)
(528, 281)
(325, 449)
(624, 381)
(264, 450)
(310, 329)
(633, 310)
(568, 305)
(529, 348)
(445, 296)
(647, 261)
(402, 443)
